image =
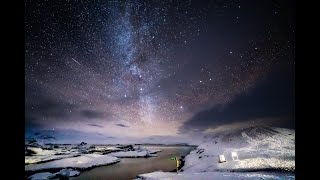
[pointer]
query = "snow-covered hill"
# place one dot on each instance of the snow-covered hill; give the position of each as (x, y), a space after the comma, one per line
(258, 149)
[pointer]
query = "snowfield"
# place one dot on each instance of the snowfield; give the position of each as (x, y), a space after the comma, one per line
(42, 155)
(212, 175)
(84, 161)
(258, 149)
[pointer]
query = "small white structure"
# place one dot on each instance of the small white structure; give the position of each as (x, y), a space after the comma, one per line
(234, 156)
(222, 158)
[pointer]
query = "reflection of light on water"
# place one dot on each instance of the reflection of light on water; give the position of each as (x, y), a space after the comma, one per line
(128, 168)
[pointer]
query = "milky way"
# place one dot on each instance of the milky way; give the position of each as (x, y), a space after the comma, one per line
(139, 68)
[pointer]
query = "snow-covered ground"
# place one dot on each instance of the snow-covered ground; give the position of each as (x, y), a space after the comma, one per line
(258, 149)
(38, 155)
(46, 153)
(213, 175)
(84, 161)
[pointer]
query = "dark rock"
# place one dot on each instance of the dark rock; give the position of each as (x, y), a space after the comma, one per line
(29, 152)
(31, 142)
(200, 151)
(47, 137)
(127, 148)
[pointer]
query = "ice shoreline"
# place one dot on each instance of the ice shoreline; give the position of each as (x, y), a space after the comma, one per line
(84, 157)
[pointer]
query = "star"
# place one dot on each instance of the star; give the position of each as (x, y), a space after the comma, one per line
(101, 63)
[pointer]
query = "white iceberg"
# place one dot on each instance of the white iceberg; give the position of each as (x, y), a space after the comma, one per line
(41, 176)
(62, 173)
(73, 173)
(132, 154)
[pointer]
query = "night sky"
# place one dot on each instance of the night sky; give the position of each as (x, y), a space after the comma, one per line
(144, 68)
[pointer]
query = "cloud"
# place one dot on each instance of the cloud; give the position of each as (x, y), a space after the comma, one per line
(95, 125)
(48, 108)
(61, 136)
(272, 97)
(242, 125)
(122, 125)
(92, 114)
(31, 122)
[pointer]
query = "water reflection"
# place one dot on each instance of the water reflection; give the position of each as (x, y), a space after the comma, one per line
(129, 168)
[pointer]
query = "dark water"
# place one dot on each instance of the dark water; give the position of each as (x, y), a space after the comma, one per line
(129, 168)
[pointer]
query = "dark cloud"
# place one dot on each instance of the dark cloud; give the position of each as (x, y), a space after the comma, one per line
(69, 136)
(122, 125)
(272, 97)
(54, 108)
(49, 108)
(31, 122)
(92, 114)
(95, 125)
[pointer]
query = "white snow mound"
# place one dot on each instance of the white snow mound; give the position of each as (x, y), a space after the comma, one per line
(81, 162)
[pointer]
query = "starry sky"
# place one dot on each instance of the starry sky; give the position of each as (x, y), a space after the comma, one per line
(160, 67)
